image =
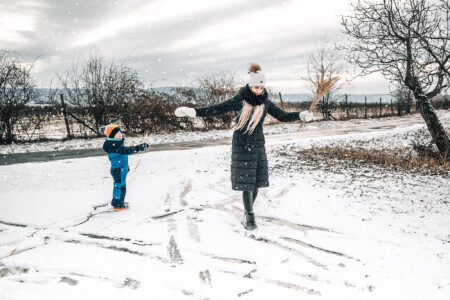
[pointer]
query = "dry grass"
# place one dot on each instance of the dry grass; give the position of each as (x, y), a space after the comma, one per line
(400, 159)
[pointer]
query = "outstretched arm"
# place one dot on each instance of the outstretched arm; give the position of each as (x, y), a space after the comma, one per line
(218, 109)
(280, 114)
(209, 111)
(126, 150)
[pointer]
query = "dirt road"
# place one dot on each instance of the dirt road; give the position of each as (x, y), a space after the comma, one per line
(387, 124)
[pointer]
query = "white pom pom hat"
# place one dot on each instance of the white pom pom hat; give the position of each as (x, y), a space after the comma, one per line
(256, 79)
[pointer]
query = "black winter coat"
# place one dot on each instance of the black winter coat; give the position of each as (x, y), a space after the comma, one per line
(249, 168)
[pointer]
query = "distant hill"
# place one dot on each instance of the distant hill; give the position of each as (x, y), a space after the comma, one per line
(307, 97)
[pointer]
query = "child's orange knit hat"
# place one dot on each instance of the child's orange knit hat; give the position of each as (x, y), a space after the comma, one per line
(110, 130)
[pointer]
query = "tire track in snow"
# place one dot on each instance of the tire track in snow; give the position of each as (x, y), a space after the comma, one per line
(295, 226)
(237, 212)
(291, 250)
(233, 260)
(229, 207)
(193, 231)
(298, 242)
(287, 285)
(186, 190)
(13, 224)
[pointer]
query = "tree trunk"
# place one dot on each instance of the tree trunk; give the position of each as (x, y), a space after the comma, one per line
(408, 104)
(400, 103)
(437, 131)
(9, 138)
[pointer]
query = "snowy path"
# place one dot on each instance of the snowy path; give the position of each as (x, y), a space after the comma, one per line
(201, 139)
(39, 152)
(183, 239)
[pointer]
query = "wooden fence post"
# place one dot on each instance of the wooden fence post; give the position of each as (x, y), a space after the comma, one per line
(65, 116)
(346, 104)
(365, 107)
(281, 100)
(381, 107)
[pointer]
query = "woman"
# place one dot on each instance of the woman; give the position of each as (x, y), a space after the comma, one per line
(249, 168)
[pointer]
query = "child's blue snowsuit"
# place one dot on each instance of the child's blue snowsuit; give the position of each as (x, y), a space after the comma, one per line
(118, 155)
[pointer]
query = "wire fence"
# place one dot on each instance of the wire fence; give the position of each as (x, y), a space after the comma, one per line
(59, 121)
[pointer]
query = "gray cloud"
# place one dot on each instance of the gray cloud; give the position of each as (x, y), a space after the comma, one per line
(169, 43)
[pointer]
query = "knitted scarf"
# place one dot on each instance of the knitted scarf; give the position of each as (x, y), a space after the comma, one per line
(251, 98)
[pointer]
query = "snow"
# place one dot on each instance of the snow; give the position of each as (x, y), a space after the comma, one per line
(322, 234)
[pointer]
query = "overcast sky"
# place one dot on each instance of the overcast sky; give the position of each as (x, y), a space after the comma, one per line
(174, 42)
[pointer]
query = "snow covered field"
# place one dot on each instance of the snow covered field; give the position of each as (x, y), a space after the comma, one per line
(324, 233)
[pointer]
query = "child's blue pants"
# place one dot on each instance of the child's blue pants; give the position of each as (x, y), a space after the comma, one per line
(120, 188)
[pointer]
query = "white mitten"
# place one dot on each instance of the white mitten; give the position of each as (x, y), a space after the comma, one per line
(179, 112)
(306, 116)
(190, 112)
(184, 111)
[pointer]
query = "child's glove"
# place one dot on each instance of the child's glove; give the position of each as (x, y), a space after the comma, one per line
(142, 147)
(306, 116)
(184, 111)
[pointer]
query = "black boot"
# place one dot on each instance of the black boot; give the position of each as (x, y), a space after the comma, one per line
(249, 217)
(249, 221)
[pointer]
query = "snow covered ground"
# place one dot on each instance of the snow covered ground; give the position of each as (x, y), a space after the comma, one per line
(324, 233)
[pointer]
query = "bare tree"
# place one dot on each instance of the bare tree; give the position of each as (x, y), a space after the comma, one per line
(152, 112)
(408, 42)
(212, 88)
(17, 89)
(216, 88)
(325, 61)
(104, 89)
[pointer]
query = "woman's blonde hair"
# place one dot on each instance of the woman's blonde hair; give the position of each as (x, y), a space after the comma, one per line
(254, 113)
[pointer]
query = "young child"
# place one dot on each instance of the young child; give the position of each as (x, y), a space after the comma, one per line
(118, 155)
(249, 167)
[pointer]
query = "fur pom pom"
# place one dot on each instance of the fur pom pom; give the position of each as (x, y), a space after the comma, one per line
(253, 67)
